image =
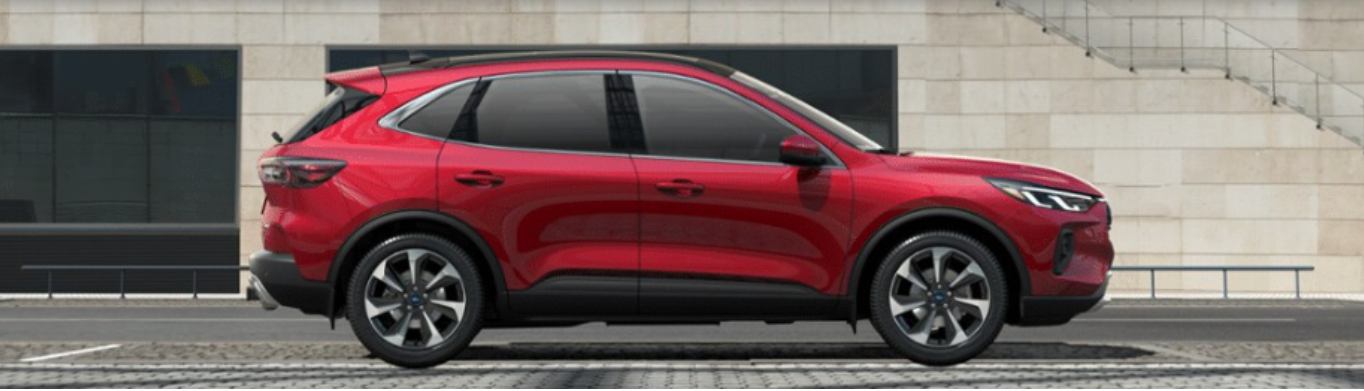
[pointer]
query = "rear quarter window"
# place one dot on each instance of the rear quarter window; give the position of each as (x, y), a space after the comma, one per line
(437, 119)
(338, 105)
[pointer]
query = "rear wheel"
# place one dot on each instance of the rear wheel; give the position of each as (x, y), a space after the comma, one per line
(939, 298)
(415, 301)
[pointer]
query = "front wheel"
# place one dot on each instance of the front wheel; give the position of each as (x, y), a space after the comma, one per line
(415, 301)
(939, 298)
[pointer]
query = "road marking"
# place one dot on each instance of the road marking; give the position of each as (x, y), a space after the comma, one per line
(70, 353)
(1187, 320)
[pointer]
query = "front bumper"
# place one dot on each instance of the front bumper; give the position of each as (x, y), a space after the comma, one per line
(1058, 310)
(278, 283)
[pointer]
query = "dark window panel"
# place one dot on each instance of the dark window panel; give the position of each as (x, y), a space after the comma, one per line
(566, 113)
(437, 119)
(193, 177)
(101, 82)
(195, 83)
(101, 170)
(118, 136)
(687, 119)
(25, 82)
(26, 169)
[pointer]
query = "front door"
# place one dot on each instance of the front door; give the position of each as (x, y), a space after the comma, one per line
(727, 230)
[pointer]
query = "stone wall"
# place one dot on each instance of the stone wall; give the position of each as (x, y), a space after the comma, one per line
(1200, 170)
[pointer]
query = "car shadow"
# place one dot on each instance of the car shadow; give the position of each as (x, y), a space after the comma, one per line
(778, 351)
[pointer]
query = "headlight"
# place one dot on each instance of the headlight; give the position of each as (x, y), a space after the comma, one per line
(1044, 197)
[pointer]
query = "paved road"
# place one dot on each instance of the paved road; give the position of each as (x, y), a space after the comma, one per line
(1128, 323)
(575, 375)
(1133, 344)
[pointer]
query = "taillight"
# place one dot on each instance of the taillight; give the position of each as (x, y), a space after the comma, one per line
(298, 172)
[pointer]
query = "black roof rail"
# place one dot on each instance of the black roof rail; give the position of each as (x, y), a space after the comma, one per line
(447, 62)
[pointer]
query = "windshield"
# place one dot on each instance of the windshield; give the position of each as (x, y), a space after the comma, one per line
(843, 132)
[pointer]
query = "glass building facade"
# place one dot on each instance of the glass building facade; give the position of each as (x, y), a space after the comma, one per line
(118, 157)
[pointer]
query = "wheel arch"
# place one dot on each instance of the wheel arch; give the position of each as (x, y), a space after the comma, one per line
(936, 218)
(380, 228)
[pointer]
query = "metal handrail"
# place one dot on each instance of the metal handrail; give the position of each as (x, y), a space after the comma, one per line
(1297, 274)
(123, 271)
(1314, 107)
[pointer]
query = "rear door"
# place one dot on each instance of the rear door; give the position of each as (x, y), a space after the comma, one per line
(534, 167)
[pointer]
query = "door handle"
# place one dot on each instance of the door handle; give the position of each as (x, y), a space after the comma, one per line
(480, 178)
(681, 188)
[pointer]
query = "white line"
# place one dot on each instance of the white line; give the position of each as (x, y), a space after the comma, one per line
(1188, 320)
(70, 353)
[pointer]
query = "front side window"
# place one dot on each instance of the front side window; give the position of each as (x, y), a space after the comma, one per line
(552, 112)
(684, 118)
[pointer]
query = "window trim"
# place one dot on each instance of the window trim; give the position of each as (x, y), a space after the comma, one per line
(395, 118)
(834, 161)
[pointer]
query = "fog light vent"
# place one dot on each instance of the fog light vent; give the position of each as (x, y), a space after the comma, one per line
(1065, 250)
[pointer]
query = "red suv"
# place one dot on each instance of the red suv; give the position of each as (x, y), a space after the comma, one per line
(426, 200)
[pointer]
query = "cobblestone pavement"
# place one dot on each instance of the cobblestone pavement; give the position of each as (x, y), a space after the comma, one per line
(625, 375)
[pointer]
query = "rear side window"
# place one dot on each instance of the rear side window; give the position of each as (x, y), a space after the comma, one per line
(687, 119)
(556, 112)
(340, 103)
(437, 119)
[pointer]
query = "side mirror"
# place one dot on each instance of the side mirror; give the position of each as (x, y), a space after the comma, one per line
(801, 150)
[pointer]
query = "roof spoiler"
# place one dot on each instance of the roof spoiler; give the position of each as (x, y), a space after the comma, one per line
(372, 80)
(369, 80)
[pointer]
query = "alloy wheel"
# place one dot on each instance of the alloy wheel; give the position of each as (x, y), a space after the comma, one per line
(415, 299)
(939, 297)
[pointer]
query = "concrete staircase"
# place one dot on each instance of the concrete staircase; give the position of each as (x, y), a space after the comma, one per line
(1185, 43)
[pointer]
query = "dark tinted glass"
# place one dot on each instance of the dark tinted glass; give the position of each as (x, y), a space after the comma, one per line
(687, 119)
(855, 85)
(437, 119)
(26, 82)
(339, 104)
(118, 136)
(561, 112)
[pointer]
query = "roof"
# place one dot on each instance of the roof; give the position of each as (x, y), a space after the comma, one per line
(421, 64)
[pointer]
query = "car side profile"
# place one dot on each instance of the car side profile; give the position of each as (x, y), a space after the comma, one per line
(426, 200)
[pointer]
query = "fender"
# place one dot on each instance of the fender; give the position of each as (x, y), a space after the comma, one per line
(1024, 287)
(494, 264)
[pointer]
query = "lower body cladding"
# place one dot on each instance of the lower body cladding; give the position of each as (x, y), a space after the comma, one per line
(277, 282)
(1057, 310)
(632, 298)
(669, 298)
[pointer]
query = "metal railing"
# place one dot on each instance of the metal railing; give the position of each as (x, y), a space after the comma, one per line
(1297, 274)
(1202, 42)
(124, 269)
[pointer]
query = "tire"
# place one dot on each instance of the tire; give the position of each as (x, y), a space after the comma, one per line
(919, 332)
(447, 317)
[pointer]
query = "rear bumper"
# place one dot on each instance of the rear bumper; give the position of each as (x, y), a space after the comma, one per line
(277, 281)
(1058, 310)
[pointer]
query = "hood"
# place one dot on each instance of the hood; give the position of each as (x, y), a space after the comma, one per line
(992, 168)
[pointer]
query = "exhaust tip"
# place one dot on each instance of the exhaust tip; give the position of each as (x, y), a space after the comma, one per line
(267, 302)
